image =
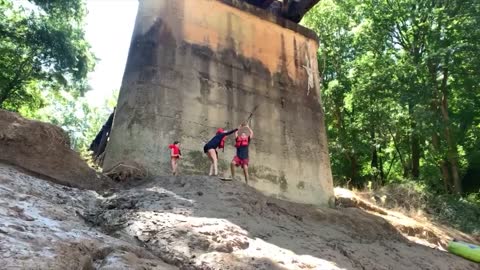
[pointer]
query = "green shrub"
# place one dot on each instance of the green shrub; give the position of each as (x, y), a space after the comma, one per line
(462, 213)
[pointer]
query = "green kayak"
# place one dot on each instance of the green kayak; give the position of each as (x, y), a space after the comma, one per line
(466, 250)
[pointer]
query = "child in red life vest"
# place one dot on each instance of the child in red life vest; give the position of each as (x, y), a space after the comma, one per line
(241, 159)
(175, 155)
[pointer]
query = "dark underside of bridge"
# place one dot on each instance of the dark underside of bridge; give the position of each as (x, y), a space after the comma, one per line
(293, 10)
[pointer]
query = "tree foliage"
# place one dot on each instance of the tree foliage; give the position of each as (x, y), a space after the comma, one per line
(81, 120)
(44, 63)
(401, 88)
(42, 48)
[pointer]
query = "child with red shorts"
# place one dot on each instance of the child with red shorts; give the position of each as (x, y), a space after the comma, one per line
(175, 155)
(241, 159)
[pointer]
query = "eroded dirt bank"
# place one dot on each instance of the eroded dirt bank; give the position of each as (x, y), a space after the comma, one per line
(193, 223)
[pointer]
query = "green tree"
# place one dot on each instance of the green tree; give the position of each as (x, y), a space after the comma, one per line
(76, 116)
(400, 84)
(42, 48)
(333, 25)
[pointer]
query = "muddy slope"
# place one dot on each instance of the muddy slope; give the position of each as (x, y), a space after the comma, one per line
(193, 223)
(209, 224)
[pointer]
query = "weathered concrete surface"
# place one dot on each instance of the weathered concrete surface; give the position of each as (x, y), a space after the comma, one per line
(197, 65)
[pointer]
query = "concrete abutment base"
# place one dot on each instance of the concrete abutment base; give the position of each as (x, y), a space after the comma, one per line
(196, 65)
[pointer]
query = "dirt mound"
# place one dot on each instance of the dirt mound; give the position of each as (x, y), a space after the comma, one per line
(39, 229)
(194, 223)
(123, 172)
(45, 150)
(418, 230)
(205, 223)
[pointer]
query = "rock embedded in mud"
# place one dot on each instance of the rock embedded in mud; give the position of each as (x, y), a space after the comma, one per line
(224, 247)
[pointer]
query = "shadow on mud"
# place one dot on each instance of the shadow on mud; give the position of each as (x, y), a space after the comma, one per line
(203, 223)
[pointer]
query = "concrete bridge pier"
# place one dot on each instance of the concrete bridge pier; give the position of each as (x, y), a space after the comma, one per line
(196, 65)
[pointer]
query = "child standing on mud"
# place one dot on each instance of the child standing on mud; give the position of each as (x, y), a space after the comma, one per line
(210, 148)
(175, 155)
(241, 159)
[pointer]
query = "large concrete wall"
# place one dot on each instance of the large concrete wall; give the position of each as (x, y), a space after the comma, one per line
(195, 65)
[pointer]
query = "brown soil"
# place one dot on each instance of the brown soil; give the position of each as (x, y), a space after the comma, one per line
(44, 149)
(205, 223)
(418, 228)
(201, 223)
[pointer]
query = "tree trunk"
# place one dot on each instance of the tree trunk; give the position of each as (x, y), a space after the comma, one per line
(391, 165)
(350, 157)
(353, 170)
(415, 146)
(374, 163)
(452, 153)
(437, 109)
(397, 148)
(447, 178)
(447, 182)
(415, 156)
(380, 163)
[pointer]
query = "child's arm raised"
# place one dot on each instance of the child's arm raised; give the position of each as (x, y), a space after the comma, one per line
(250, 130)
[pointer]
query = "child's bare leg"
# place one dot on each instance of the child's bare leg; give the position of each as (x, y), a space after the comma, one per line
(245, 172)
(213, 156)
(215, 166)
(172, 161)
(232, 169)
(211, 164)
(215, 162)
(211, 170)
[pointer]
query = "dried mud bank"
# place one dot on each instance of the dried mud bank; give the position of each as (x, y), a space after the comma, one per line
(192, 223)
